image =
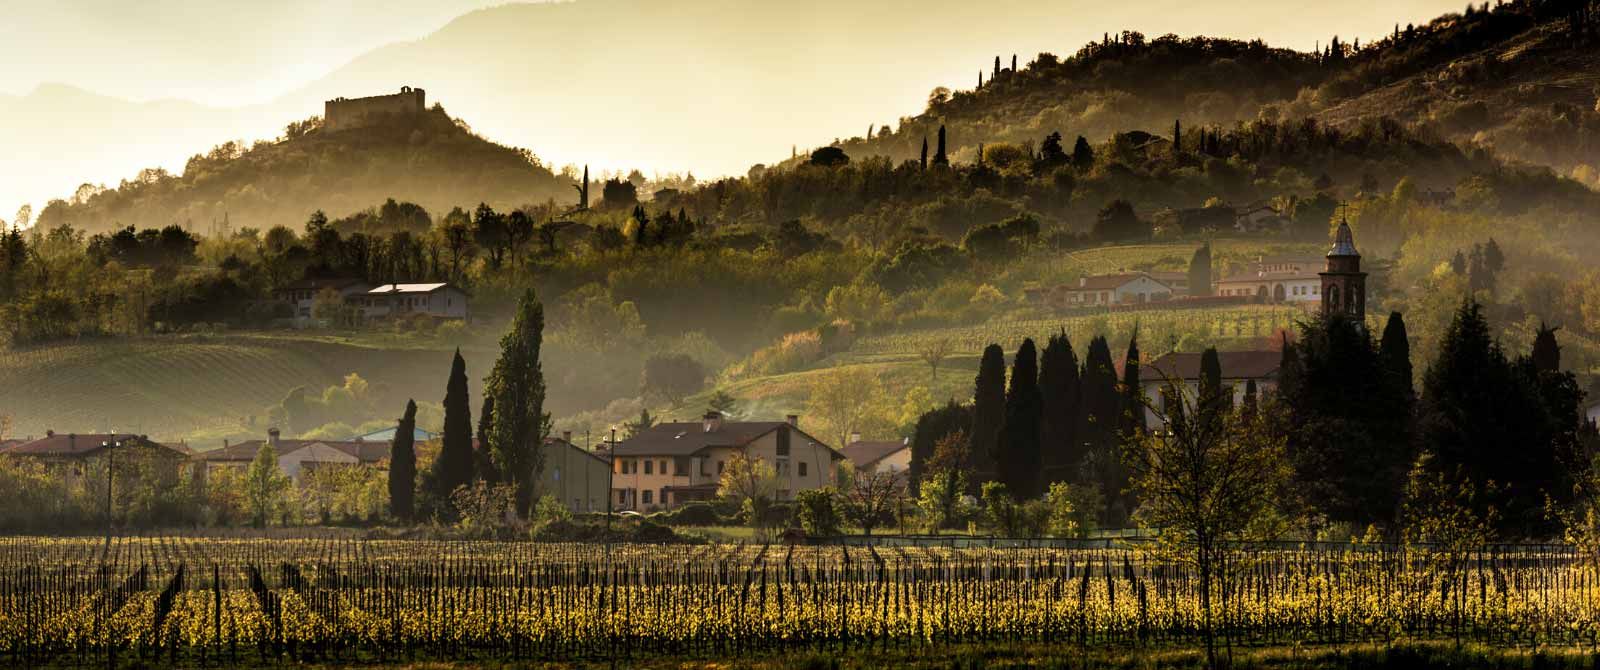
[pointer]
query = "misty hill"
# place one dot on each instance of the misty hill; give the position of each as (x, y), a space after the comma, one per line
(428, 159)
(1521, 78)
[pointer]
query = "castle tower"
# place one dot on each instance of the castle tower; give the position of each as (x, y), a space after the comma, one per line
(1344, 285)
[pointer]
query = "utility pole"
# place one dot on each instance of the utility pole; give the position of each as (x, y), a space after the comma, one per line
(110, 446)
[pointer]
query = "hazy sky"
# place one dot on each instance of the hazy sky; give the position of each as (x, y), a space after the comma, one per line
(708, 86)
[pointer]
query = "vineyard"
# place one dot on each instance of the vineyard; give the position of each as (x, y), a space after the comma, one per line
(206, 601)
(1158, 330)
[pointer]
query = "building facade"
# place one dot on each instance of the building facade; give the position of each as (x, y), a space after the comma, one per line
(673, 463)
(574, 476)
(1116, 289)
(893, 456)
(438, 300)
(301, 296)
(347, 113)
(1276, 280)
(1239, 368)
(296, 457)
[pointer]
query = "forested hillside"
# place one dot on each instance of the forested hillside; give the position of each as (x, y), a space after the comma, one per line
(429, 159)
(1519, 77)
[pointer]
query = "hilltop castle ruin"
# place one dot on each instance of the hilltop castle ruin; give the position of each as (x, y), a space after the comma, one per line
(347, 113)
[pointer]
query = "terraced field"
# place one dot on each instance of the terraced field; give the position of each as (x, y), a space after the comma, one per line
(176, 387)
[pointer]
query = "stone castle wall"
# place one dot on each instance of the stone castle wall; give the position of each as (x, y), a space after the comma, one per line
(346, 113)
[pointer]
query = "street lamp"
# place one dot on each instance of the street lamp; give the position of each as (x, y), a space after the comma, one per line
(109, 446)
(611, 477)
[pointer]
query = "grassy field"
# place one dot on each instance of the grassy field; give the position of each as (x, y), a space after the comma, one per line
(198, 387)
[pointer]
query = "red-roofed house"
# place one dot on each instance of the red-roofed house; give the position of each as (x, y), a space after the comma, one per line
(1116, 289)
(78, 455)
(872, 455)
(674, 463)
(297, 456)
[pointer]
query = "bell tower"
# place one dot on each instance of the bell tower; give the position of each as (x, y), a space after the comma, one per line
(1344, 285)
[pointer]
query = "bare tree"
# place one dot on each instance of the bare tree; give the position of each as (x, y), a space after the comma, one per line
(1207, 481)
(872, 497)
(935, 353)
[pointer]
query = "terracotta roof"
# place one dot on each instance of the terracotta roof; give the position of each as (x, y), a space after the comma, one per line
(1257, 278)
(1108, 282)
(7, 444)
(556, 441)
(684, 438)
(1235, 365)
(366, 452)
(72, 444)
(864, 453)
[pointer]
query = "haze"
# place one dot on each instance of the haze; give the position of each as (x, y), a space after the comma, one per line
(94, 91)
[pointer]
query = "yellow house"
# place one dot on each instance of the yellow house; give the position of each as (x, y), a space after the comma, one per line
(674, 463)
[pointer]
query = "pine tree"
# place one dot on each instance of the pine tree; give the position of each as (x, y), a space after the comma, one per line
(939, 156)
(922, 163)
(517, 431)
(1177, 137)
(1061, 407)
(403, 466)
(1200, 271)
(1017, 463)
(1546, 352)
(453, 467)
(988, 412)
(1082, 154)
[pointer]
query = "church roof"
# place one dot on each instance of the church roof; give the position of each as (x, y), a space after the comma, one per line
(1344, 242)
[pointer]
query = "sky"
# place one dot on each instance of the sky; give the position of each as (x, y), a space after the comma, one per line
(596, 82)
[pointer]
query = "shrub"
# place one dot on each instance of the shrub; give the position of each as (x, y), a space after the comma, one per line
(817, 512)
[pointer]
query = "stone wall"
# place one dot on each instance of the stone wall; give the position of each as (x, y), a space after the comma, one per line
(346, 113)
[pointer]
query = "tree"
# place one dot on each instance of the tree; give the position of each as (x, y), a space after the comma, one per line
(618, 193)
(1017, 461)
(516, 435)
(722, 403)
(934, 353)
(1200, 271)
(482, 464)
(644, 423)
(817, 511)
(453, 467)
(945, 482)
(1546, 352)
(265, 486)
(871, 498)
(847, 400)
(1060, 410)
(1051, 153)
(1117, 222)
(830, 157)
(492, 233)
(672, 376)
(1394, 355)
(922, 162)
(1177, 137)
(988, 412)
(932, 427)
(939, 156)
(1205, 485)
(751, 485)
(403, 465)
(1133, 419)
(1082, 154)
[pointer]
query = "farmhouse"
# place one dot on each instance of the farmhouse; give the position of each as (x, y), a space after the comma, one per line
(893, 456)
(73, 455)
(296, 456)
(302, 295)
(1115, 289)
(673, 463)
(575, 476)
(439, 300)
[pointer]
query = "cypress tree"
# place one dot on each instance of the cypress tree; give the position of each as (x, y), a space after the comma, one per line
(1017, 462)
(1101, 402)
(1013, 63)
(1061, 407)
(939, 156)
(922, 163)
(1082, 154)
(481, 462)
(1177, 137)
(1546, 353)
(1200, 271)
(988, 412)
(1133, 419)
(996, 68)
(517, 430)
(1250, 398)
(1394, 354)
(403, 466)
(452, 469)
(1210, 377)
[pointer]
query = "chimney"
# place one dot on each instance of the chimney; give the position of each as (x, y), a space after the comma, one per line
(72, 441)
(224, 443)
(50, 433)
(712, 421)
(272, 437)
(566, 436)
(1083, 281)
(793, 419)
(855, 437)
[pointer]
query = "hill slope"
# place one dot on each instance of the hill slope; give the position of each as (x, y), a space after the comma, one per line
(427, 159)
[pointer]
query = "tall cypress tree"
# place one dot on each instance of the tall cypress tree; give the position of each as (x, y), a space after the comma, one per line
(922, 163)
(939, 156)
(482, 463)
(1394, 354)
(1133, 419)
(1102, 404)
(403, 466)
(1200, 271)
(1177, 137)
(1060, 410)
(996, 68)
(453, 467)
(1018, 461)
(1546, 352)
(988, 412)
(1211, 392)
(517, 430)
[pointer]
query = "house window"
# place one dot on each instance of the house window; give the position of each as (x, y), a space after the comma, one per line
(665, 497)
(719, 468)
(648, 467)
(662, 468)
(647, 494)
(680, 466)
(802, 468)
(783, 441)
(622, 497)
(556, 474)
(703, 472)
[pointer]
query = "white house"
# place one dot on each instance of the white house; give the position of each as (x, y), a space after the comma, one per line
(1116, 289)
(1277, 279)
(1239, 368)
(673, 463)
(440, 301)
(296, 457)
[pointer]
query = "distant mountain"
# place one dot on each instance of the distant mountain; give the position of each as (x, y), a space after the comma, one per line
(425, 158)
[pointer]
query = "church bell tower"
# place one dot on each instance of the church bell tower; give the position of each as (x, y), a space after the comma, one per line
(1344, 285)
